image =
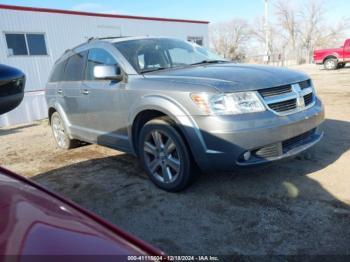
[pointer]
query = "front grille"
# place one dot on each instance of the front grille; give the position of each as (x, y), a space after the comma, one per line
(308, 99)
(280, 148)
(305, 84)
(274, 91)
(297, 140)
(284, 106)
(288, 99)
(268, 151)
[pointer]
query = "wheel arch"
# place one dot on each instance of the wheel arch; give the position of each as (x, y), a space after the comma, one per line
(330, 57)
(50, 112)
(140, 120)
(154, 107)
(57, 108)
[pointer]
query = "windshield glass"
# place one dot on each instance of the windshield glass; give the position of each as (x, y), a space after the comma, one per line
(152, 54)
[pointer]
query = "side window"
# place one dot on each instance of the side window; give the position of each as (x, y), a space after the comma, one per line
(58, 72)
(75, 67)
(98, 56)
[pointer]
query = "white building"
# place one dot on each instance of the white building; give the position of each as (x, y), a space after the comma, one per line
(32, 39)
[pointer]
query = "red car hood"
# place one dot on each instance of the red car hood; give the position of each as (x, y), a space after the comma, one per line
(35, 221)
(329, 50)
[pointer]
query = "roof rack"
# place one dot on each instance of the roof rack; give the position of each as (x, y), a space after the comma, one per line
(94, 38)
(105, 38)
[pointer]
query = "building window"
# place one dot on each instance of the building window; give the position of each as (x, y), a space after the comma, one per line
(196, 39)
(25, 44)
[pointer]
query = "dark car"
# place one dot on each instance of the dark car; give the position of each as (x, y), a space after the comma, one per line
(12, 82)
(35, 221)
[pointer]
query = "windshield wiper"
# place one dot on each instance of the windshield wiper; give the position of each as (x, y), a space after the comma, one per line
(153, 69)
(208, 61)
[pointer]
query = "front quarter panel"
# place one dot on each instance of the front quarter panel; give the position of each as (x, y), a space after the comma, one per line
(170, 107)
(50, 94)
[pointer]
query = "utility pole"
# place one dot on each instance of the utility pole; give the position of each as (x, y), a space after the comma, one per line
(267, 33)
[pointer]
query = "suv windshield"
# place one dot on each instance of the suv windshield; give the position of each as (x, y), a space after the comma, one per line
(147, 55)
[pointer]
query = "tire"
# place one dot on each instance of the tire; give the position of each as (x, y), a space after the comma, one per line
(60, 134)
(341, 65)
(330, 64)
(164, 155)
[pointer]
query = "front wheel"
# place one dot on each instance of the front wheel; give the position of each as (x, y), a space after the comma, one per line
(165, 156)
(331, 64)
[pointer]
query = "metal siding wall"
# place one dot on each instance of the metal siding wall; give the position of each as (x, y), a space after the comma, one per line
(64, 31)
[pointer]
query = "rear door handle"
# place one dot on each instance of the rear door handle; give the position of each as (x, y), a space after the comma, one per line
(85, 92)
(59, 91)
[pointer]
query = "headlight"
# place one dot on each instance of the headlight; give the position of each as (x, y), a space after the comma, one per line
(228, 104)
(313, 88)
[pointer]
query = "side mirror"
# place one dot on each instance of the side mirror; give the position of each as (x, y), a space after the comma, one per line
(12, 83)
(108, 72)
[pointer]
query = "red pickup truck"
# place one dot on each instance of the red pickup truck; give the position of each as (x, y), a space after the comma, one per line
(333, 58)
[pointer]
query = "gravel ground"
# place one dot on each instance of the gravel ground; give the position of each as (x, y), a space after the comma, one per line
(294, 207)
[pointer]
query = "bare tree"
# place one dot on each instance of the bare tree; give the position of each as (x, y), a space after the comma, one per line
(287, 19)
(311, 16)
(277, 39)
(306, 26)
(331, 35)
(228, 38)
(300, 27)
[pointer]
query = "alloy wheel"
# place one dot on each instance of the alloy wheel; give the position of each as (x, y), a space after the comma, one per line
(330, 64)
(58, 131)
(162, 157)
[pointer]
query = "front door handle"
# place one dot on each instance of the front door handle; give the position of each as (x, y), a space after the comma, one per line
(59, 91)
(85, 92)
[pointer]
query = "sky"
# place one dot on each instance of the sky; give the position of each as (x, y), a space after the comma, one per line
(208, 10)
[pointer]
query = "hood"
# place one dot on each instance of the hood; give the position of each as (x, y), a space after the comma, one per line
(328, 50)
(230, 77)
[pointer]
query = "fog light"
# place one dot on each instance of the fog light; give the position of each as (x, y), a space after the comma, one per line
(247, 155)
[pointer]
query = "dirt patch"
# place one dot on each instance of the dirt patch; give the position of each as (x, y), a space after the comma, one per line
(297, 206)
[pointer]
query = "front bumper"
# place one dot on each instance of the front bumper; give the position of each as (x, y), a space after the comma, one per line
(268, 137)
(283, 149)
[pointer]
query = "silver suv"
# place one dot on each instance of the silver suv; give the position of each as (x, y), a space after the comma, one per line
(177, 106)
